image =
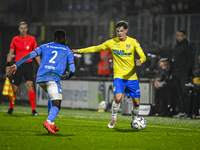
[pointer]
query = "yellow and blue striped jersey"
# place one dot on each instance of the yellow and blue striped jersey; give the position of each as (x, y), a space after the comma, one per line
(123, 56)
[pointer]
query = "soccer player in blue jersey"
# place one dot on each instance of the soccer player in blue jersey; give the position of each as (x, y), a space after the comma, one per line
(123, 49)
(54, 58)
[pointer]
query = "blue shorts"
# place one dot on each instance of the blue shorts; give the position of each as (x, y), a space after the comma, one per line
(132, 88)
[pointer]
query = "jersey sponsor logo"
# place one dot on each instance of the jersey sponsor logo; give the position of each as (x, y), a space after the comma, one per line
(27, 47)
(121, 53)
(128, 46)
(116, 45)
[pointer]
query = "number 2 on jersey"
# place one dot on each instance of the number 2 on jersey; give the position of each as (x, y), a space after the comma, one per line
(52, 59)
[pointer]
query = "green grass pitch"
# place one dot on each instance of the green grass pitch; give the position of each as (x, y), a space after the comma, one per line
(85, 130)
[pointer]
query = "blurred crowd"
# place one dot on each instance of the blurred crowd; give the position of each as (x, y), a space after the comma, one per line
(129, 7)
(164, 6)
(149, 7)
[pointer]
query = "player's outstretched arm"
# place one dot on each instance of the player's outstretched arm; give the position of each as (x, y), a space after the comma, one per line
(11, 69)
(74, 51)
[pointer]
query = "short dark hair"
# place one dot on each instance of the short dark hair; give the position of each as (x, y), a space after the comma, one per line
(122, 23)
(182, 31)
(59, 36)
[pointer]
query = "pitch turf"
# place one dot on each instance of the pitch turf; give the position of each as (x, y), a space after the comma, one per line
(83, 129)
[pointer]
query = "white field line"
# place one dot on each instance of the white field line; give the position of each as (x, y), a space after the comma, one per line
(173, 128)
(153, 126)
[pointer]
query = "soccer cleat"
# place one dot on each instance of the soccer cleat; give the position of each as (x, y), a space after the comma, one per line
(112, 124)
(54, 127)
(10, 110)
(47, 126)
(34, 113)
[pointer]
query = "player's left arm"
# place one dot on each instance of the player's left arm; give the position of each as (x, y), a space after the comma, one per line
(140, 52)
(71, 72)
(71, 67)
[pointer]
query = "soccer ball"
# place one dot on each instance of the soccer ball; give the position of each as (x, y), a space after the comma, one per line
(102, 105)
(139, 123)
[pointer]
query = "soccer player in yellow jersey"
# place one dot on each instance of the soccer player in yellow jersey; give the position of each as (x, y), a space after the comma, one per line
(123, 49)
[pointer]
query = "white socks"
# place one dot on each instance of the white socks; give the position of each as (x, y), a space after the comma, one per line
(135, 112)
(115, 108)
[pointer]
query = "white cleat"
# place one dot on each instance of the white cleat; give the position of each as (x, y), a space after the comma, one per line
(111, 124)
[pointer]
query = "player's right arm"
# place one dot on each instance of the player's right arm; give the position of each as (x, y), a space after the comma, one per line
(11, 52)
(9, 57)
(13, 68)
(92, 49)
(26, 58)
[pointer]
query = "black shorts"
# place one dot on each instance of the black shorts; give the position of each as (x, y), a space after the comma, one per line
(26, 70)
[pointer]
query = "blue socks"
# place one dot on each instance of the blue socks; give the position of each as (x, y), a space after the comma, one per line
(53, 113)
(49, 104)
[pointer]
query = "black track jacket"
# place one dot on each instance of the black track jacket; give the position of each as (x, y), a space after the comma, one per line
(183, 59)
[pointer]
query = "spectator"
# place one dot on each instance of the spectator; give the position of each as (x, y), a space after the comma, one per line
(165, 89)
(183, 64)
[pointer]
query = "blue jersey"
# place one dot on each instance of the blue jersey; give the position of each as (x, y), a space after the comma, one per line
(54, 58)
